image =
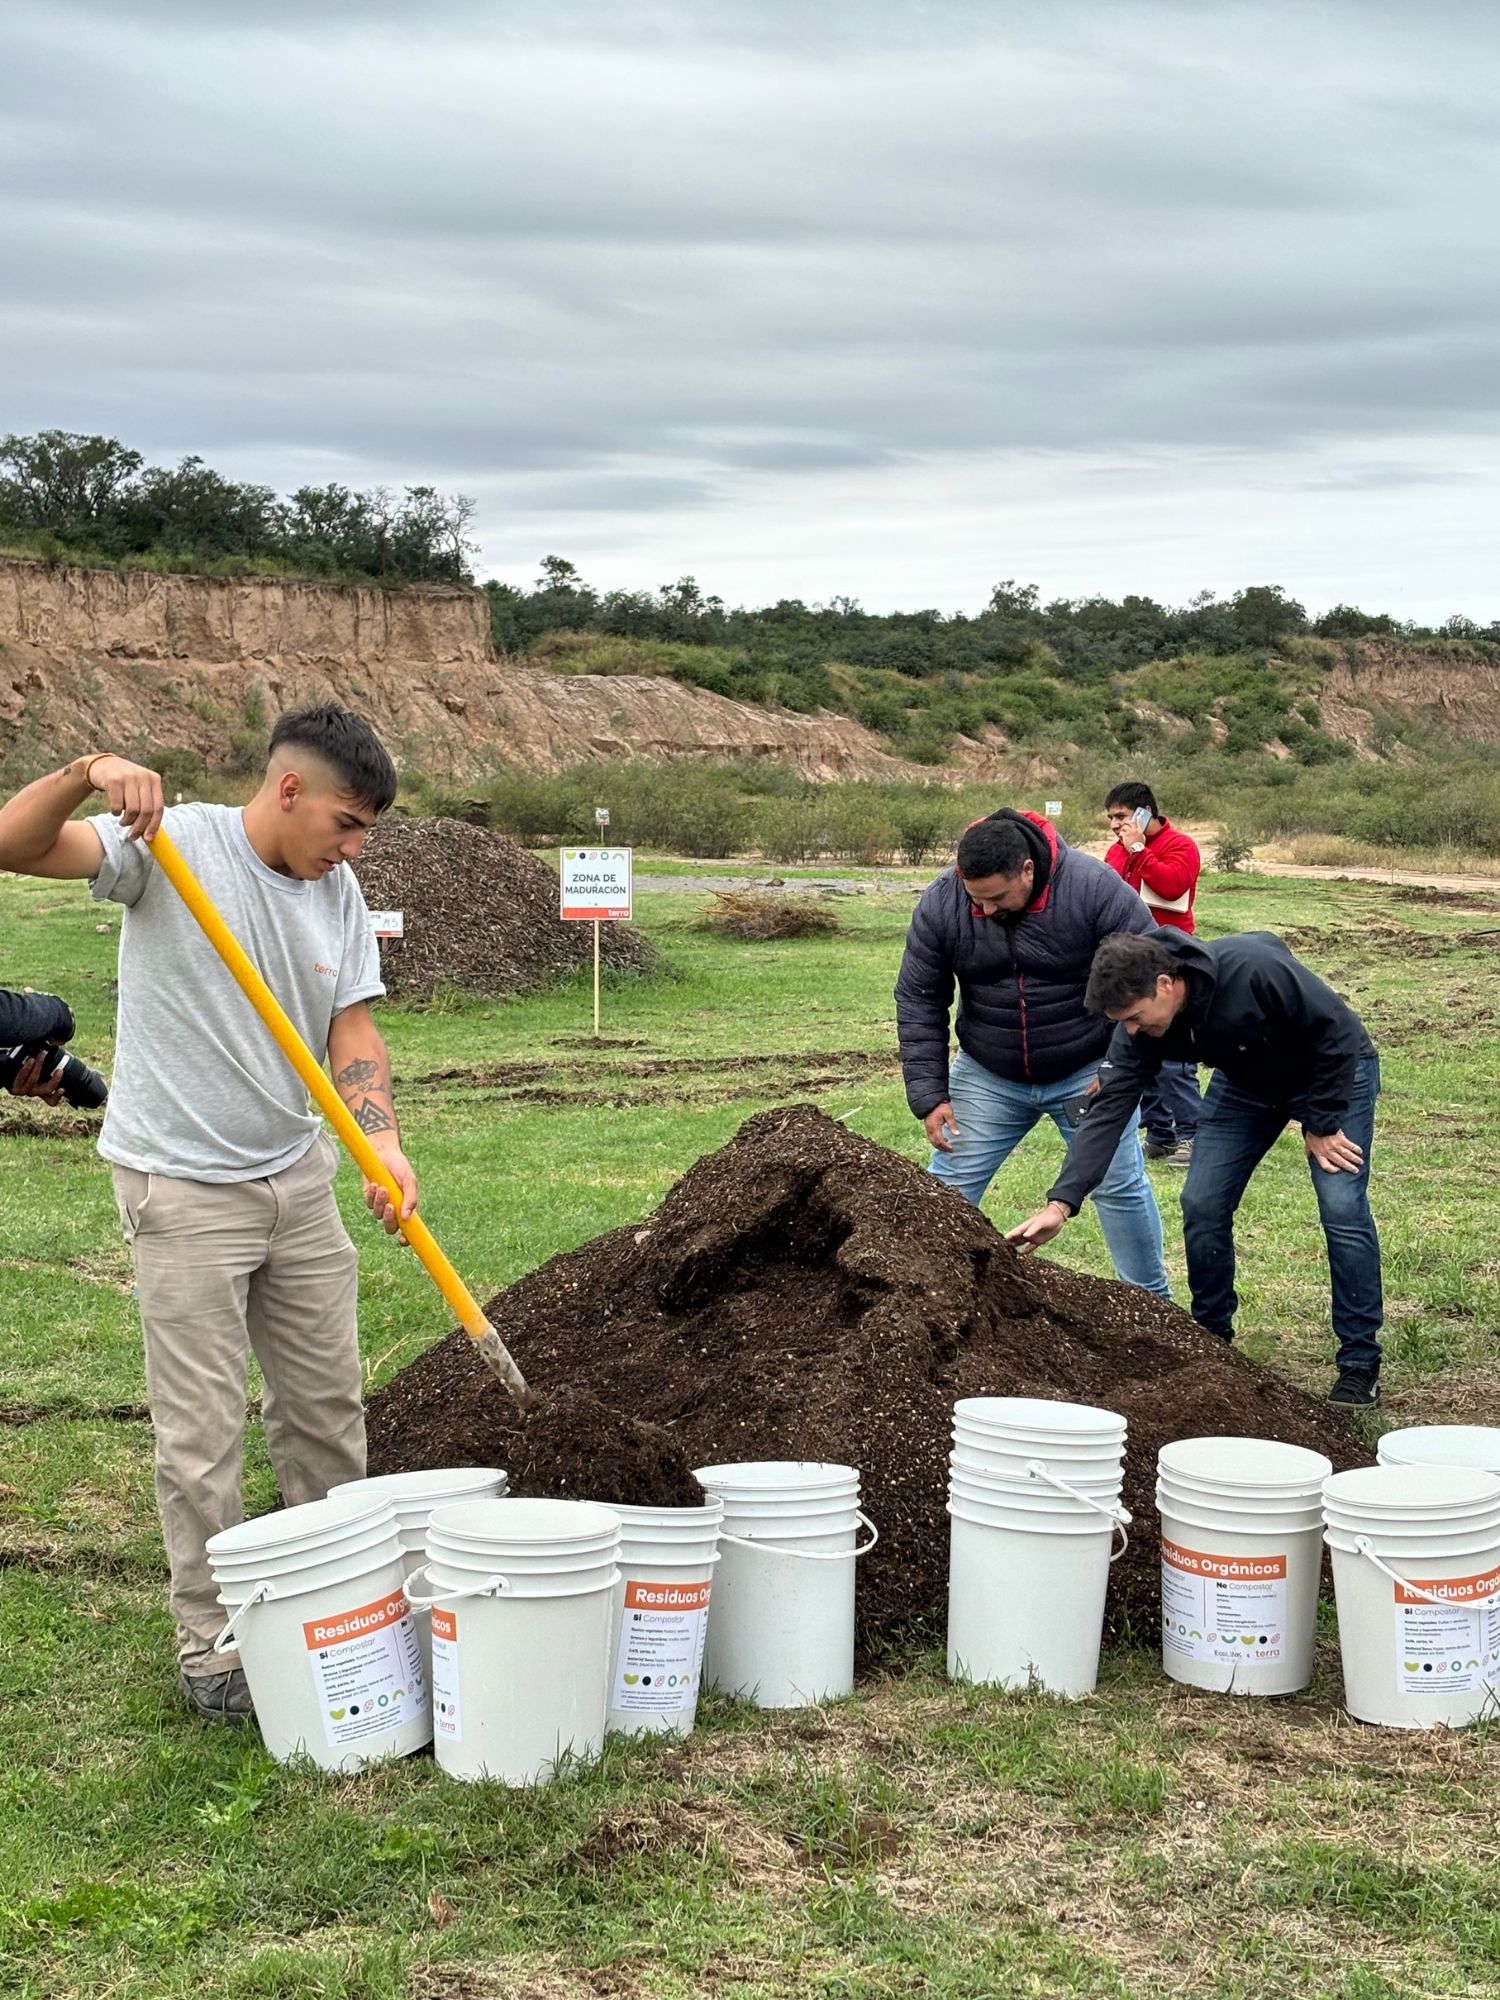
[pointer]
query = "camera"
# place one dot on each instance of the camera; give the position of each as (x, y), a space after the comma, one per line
(84, 1088)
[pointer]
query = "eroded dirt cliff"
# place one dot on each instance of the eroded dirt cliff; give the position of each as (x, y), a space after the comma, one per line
(135, 660)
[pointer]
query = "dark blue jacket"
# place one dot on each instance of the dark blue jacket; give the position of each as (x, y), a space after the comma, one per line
(1254, 1011)
(33, 1017)
(1020, 979)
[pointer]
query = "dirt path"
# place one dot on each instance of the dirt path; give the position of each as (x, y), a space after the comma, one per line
(1485, 885)
(905, 877)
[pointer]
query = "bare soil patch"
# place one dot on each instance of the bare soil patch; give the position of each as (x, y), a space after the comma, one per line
(803, 1293)
(56, 1125)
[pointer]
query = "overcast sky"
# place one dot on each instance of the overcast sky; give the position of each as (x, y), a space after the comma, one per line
(879, 299)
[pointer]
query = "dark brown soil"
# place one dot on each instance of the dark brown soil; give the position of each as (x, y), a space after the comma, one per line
(803, 1293)
(572, 1448)
(41, 1125)
(672, 1079)
(480, 912)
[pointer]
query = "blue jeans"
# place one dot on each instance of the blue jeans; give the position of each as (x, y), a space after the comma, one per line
(1170, 1107)
(994, 1115)
(1235, 1133)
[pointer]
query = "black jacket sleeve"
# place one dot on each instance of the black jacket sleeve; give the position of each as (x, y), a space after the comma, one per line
(1130, 1062)
(34, 1017)
(1298, 1005)
(924, 998)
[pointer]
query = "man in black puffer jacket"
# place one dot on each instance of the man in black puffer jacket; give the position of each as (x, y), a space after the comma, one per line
(1285, 1047)
(1014, 927)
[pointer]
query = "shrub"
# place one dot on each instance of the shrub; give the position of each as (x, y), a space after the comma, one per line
(1231, 852)
(786, 829)
(921, 823)
(180, 769)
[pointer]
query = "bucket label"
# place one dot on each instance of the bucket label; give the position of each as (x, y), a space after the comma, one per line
(1223, 1610)
(659, 1663)
(367, 1669)
(1452, 1647)
(445, 1675)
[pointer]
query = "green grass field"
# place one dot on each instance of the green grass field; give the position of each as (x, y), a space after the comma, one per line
(916, 1839)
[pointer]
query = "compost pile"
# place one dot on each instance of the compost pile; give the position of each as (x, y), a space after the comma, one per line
(803, 1293)
(480, 912)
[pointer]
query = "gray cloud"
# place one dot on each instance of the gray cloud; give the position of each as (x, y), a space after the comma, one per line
(690, 265)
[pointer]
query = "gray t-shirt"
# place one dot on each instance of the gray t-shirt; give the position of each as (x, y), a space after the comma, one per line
(200, 1090)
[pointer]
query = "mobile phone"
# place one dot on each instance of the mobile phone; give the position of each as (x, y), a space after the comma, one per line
(1074, 1109)
(1142, 817)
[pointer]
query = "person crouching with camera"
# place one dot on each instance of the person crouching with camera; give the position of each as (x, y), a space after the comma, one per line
(223, 1175)
(33, 1061)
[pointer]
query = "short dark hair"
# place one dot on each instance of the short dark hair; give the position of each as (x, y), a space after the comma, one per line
(347, 744)
(1133, 795)
(1126, 967)
(993, 847)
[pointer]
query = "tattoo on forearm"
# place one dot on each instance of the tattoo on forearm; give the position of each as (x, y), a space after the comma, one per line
(371, 1117)
(360, 1075)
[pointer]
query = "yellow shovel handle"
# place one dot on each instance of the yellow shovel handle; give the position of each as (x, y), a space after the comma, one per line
(466, 1308)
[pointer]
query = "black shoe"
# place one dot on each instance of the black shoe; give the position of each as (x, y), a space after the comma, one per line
(1356, 1388)
(219, 1697)
(1159, 1149)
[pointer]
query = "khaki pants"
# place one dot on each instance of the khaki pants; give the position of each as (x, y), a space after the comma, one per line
(220, 1270)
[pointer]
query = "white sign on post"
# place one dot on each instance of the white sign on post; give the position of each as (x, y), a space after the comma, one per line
(388, 923)
(1052, 808)
(601, 815)
(595, 885)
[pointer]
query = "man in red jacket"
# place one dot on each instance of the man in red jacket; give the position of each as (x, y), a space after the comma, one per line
(1162, 866)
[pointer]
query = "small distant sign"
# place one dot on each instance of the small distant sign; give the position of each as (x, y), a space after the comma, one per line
(601, 815)
(596, 885)
(1052, 808)
(388, 923)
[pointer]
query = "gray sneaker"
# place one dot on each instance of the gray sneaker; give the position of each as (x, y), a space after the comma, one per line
(1181, 1154)
(219, 1697)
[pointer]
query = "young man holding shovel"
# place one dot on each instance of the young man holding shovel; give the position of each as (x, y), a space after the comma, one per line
(223, 1176)
(1284, 1046)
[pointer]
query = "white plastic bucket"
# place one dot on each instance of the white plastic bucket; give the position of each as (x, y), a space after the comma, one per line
(661, 1612)
(1255, 1467)
(319, 1616)
(413, 1496)
(1036, 1494)
(1033, 1420)
(1474, 1445)
(782, 1630)
(1028, 1568)
(520, 1595)
(1241, 1556)
(1418, 1592)
(1010, 1461)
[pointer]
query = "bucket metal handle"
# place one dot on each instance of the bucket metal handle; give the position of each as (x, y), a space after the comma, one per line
(1118, 1517)
(809, 1555)
(1362, 1543)
(497, 1584)
(259, 1595)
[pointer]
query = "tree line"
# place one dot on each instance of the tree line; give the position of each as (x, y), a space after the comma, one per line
(65, 495)
(1083, 638)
